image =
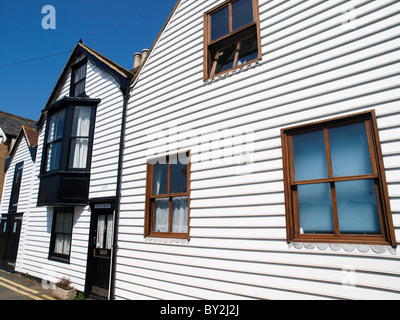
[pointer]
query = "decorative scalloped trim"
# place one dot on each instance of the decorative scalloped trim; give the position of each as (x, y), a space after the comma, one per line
(232, 72)
(167, 240)
(345, 246)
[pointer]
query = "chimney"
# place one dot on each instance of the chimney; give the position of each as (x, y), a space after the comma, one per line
(145, 53)
(137, 60)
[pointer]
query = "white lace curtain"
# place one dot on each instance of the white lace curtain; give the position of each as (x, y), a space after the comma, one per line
(104, 230)
(80, 144)
(179, 215)
(63, 233)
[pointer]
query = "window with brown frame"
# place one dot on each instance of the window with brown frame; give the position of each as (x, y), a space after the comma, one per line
(168, 196)
(231, 36)
(335, 186)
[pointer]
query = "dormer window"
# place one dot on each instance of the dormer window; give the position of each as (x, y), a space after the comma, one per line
(78, 79)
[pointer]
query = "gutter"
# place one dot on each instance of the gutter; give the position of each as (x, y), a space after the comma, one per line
(126, 91)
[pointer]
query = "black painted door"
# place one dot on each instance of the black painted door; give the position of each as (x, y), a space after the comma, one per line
(10, 229)
(100, 247)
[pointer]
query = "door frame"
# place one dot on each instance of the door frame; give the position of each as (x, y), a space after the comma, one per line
(98, 204)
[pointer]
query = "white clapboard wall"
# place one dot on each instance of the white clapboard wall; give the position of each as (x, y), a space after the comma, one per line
(21, 153)
(35, 262)
(321, 59)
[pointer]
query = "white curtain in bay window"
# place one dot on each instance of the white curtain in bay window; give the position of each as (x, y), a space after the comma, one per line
(79, 145)
(180, 214)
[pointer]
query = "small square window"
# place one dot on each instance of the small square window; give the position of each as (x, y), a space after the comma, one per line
(231, 36)
(167, 200)
(335, 185)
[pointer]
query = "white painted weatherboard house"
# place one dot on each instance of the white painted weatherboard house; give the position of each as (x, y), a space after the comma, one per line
(267, 98)
(16, 198)
(70, 219)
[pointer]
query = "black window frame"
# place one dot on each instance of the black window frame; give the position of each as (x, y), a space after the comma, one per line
(16, 187)
(58, 256)
(74, 83)
(69, 109)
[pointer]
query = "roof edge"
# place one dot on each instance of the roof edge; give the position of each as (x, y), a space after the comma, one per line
(156, 40)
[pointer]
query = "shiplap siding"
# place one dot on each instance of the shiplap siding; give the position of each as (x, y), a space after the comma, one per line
(35, 262)
(320, 59)
(22, 153)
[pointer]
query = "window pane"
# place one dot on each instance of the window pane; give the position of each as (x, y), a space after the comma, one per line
(248, 51)
(79, 88)
(56, 126)
(81, 125)
(219, 23)
(59, 243)
(161, 215)
(4, 226)
(67, 244)
(53, 156)
(180, 214)
(60, 124)
(78, 153)
(310, 156)
(178, 177)
(80, 73)
(160, 179)
(59, 223)
(349, 150)
(357, 207)
(315, 208)
(109, 236)
(68, 219)
(101, 221)
(225, 59)
(52, 128)
(242, 13)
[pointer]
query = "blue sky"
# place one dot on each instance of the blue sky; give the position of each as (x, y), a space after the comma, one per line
(116, 29)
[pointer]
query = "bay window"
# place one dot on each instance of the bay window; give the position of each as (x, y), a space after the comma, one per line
(67, 152)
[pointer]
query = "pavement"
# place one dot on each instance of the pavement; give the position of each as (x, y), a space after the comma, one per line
(14, 286)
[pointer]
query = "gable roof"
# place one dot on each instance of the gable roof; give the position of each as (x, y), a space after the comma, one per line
(11, 124)
(137, 72)
(31, 136)
(122, 75)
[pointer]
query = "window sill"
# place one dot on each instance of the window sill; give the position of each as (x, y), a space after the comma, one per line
(59, 259)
